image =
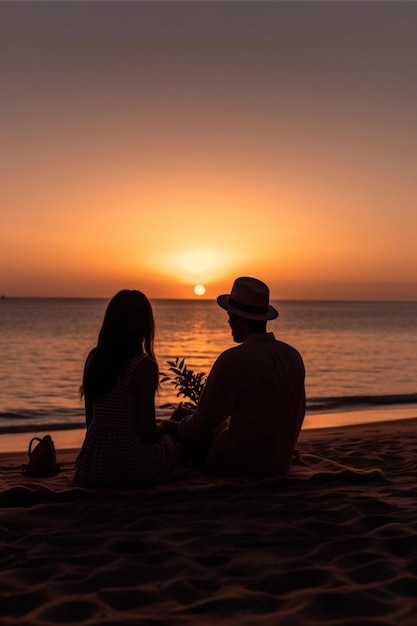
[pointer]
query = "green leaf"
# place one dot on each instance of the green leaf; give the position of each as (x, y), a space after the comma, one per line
(188, 384)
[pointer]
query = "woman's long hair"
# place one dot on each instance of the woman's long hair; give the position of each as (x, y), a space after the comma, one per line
(128, 329)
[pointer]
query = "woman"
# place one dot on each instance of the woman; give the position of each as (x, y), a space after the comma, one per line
(123, 445)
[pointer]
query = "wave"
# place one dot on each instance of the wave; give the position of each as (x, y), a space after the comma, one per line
(31, 420)
(368, 401)
(34, 428)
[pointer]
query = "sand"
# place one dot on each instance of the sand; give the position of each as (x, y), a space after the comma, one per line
(336, 544)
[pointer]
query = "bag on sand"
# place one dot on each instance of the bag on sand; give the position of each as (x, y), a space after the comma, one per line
(42, 458)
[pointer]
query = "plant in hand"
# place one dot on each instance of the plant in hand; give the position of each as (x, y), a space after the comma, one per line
(188, 384)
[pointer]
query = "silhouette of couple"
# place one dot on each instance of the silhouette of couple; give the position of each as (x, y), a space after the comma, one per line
(247, 420)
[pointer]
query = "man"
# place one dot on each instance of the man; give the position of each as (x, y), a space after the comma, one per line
(252, 408)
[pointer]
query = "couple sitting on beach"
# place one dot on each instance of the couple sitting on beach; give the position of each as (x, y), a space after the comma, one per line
(248, 417)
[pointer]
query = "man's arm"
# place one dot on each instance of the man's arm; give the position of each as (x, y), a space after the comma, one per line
(215, 403)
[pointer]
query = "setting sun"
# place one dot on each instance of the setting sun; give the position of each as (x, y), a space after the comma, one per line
(199, 290)
(173, 176)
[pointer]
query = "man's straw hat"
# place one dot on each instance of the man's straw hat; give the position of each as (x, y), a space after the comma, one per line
(249, 299)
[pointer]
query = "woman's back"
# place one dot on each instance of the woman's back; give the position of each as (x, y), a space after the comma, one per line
(118, 410)
(114, 453)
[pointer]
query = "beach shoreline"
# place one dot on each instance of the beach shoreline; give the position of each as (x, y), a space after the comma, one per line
(71, 438)
(13, 447)
(68, 447)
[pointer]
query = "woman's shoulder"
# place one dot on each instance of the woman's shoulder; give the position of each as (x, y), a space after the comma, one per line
(142, 361)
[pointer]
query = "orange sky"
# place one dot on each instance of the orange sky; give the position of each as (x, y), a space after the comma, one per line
(161, 145)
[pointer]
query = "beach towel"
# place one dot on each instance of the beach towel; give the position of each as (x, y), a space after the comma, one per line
(306, 468)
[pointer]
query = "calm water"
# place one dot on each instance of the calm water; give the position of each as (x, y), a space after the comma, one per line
(355, 353)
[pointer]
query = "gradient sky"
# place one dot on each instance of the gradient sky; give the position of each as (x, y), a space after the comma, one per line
(157, 145)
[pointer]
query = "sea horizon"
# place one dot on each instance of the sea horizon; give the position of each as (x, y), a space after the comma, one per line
(204, 299)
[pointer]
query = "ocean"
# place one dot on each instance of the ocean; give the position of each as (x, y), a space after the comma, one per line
(358, 355)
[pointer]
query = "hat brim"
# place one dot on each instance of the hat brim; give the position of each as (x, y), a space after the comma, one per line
(224, 302)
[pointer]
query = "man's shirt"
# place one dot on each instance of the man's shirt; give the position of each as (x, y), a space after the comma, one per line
(256, 390)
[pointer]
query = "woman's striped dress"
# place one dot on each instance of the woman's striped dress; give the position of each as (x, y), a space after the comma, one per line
(113, 454)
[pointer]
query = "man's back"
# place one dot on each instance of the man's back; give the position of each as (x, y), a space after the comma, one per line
(259, 385)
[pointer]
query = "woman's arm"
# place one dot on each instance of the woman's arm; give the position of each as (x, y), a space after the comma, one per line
(143, 385)
(88, 403)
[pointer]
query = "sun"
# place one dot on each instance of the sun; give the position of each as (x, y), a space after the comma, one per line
(199, 290)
